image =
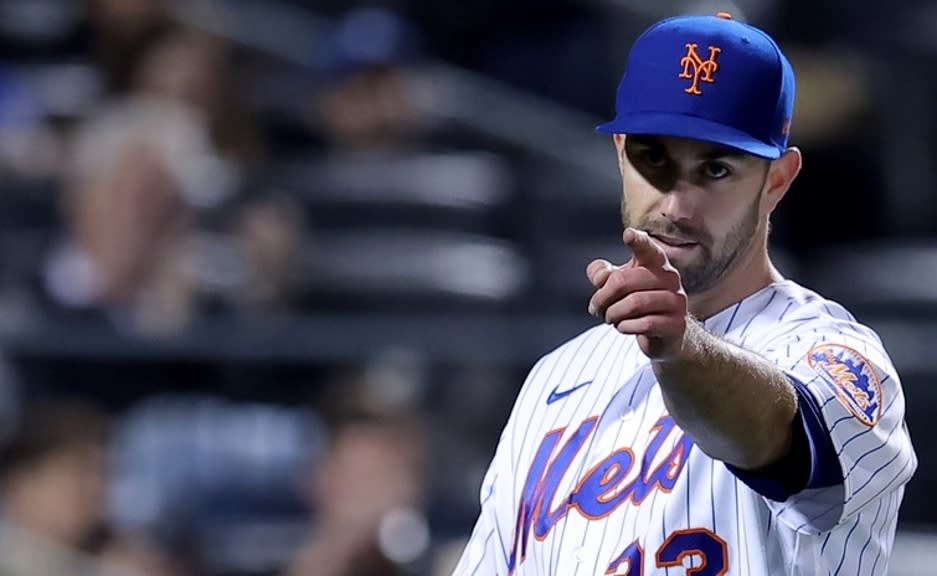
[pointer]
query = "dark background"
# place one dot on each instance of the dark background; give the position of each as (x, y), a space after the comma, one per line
(239, 228)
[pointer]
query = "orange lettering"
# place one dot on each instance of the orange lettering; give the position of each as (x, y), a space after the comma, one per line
(703, 70)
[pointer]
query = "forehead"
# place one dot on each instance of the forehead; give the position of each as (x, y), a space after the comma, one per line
(687, 147)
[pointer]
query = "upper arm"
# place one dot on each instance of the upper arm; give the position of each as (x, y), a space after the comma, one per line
(810, 461)
(845, 377)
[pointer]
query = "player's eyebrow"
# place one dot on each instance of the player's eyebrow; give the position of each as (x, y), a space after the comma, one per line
(642, 140)
(707, 153)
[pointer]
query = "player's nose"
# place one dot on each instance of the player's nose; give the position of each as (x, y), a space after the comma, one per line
(681, 202)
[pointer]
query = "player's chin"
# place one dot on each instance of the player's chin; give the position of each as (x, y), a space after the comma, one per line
(687, 258)
(691, 264)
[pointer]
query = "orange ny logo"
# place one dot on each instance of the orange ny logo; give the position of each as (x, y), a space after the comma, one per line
(702, 69)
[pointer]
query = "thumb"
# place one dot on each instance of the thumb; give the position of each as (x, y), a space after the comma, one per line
(598, 272)
(646, 252)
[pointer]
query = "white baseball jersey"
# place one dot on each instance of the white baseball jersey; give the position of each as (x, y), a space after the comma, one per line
(592, 476)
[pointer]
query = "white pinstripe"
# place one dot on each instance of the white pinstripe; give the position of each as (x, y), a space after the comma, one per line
(846, 529)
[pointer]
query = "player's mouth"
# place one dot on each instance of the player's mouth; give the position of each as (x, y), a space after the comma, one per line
(673, 241)
(674, 246)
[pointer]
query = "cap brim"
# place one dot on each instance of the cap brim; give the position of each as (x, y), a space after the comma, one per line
(693, 127)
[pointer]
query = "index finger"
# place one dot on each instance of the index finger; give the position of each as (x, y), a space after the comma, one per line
(646, 252)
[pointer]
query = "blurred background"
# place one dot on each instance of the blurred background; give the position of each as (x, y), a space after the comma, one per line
(272, 271)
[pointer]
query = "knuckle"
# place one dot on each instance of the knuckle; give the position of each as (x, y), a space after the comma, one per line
(642, 301)
(635, 303)
(615, 287)
(673, 279)
(680, 299)
(604, 295)
(648, 325)
(616, 280)
(617, 312)
(644, 325)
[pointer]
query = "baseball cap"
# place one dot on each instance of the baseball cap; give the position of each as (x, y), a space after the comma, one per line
(364, 38)
(709, 78)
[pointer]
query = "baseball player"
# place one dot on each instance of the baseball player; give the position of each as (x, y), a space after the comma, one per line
(722, 419)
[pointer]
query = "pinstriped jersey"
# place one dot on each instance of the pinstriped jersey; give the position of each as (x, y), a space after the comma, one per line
(592, 476)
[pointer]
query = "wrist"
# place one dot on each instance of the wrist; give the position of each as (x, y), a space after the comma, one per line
(690, 347)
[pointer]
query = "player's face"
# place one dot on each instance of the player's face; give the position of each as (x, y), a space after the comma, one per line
(702, 203)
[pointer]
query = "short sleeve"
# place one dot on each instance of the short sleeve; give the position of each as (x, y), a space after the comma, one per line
(844, 367)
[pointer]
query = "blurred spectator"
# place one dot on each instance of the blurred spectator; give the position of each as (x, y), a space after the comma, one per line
(136, 169)
(138, 556)
(120, 31)
(195, 68)
(214, 479)
(53, 489)
(270, 232)
(368, 499)
(368, 493)
(149, 170)
(54, 471)
(383, 177)
(367, 102)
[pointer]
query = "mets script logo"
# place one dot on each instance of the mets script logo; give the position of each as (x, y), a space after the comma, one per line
(620, 478)
(702, 70)
(852, 377)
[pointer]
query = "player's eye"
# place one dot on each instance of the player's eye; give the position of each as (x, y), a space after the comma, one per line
(716, 170)
(654, 156)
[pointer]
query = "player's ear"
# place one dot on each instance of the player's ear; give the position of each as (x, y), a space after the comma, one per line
(619, 140)
(781, 174)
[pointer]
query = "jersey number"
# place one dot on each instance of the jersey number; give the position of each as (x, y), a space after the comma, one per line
(710, 549)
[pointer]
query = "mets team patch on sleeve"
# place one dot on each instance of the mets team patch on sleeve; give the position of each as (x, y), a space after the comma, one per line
(851, 377)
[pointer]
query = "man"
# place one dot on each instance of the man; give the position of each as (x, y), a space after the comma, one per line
(52, 490)
(723, 419)
(370, 478)
(53, 498)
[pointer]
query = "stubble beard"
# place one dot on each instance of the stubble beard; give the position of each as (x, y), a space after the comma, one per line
(714, 262)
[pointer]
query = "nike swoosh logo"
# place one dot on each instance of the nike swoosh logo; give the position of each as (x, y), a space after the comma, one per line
(554, 396)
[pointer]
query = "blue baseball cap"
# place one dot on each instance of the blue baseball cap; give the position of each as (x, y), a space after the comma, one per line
(364, 38)
(708, 78)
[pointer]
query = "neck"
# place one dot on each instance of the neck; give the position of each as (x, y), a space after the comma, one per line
(753, 271)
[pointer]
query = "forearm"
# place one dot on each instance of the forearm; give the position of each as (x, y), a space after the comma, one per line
(737, 406)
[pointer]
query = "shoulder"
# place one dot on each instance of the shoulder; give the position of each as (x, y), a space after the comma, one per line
(809, 335)
(800, 302)
(821, 341)
(798, 312)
